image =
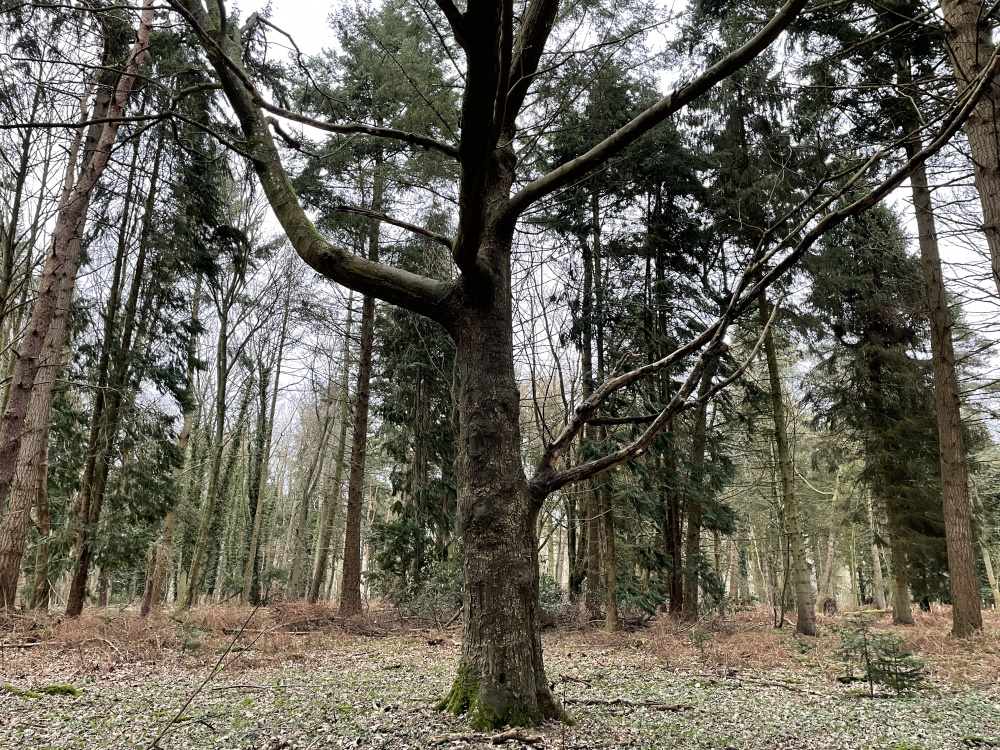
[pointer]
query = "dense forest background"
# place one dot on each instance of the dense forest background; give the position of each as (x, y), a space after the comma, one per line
(212, 421)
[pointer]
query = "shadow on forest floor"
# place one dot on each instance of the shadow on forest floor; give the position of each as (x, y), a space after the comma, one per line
(300, 677)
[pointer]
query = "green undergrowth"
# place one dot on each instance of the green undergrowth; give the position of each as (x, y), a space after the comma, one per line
(47, 690)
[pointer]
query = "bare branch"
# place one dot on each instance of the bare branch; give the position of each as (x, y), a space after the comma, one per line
(221, 57)
(446, 241)
(664, 108)
(535, 30)
(455, 20)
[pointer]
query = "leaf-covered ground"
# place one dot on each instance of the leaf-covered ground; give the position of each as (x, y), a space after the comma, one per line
(726, 684)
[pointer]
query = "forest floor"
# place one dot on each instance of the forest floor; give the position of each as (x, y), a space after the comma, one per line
(298, 677)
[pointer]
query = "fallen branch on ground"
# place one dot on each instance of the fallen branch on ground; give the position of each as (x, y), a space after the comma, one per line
(655, 705)
(496, 739)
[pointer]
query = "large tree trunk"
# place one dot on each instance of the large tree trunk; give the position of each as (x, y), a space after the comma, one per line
(501, 677)
(966, 615)
(805, 606)
(32, 449)
(968, 31)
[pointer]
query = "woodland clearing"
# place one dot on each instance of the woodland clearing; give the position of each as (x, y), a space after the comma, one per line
(298, 677)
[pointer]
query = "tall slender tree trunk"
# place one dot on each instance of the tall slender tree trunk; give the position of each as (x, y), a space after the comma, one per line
(611, 621)
(965, 607)
(350, 588)
(312, 478)
(591, 504)
(828, 602)
(696, 487)
(605, 501)
(332, 502)
(115, 385)
(153, 595)
(805, 607)
(672, 540)
(199, 557)
(879, 581)
(251, 586)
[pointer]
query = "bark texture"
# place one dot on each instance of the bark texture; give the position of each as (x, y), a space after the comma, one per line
(63, 259)
(968, 33)
(965, 607)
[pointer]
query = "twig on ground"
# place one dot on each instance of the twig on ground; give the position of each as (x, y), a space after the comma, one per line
(496, 739)
(215, 670)
(655, 705)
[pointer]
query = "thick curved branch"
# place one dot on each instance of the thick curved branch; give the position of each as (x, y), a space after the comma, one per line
(396, 286)
(535, 30)
(201, 23)
(446, 241)
(664, 108)
(547, 479)
(455, 20)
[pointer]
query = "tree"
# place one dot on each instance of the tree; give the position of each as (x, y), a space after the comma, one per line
(501, 677)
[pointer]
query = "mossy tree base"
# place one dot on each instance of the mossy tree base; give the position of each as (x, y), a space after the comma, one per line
(496, 708)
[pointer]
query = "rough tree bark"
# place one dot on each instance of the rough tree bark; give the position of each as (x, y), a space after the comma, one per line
(965, 607)
(40, 588)
(350, 588)
(501, 675)
(828, 602)
(804, 602)
(968, 36)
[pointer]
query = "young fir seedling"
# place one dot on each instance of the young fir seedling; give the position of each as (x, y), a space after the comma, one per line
(878, 658)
